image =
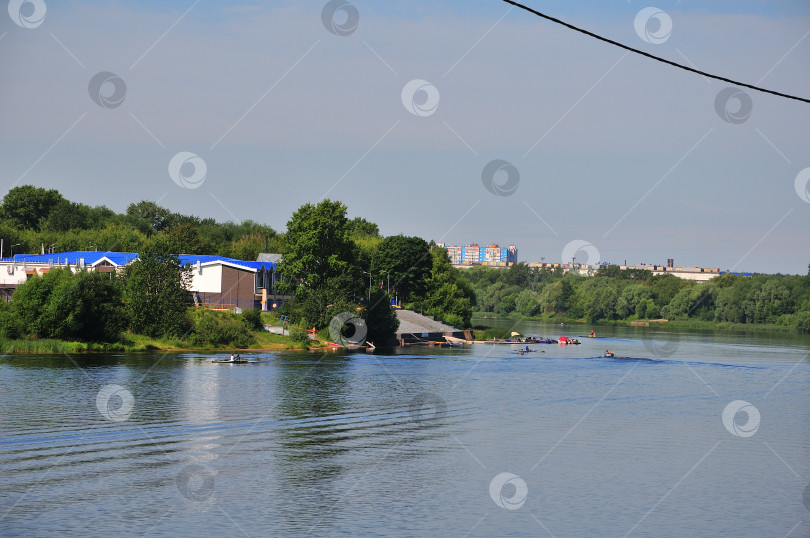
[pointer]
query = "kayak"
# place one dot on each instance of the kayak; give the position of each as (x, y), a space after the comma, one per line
(229, 361)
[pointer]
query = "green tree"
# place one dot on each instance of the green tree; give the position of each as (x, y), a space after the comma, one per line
(181, 239)
(449, 296)
(156, 295)
(149, 217)
(518, 274)
(67, 215)
(601, 303)
(408, 262)
(28, 206)
(360, 227)
(247, 247)
(551, 298)
(319, 263)
(527, 303)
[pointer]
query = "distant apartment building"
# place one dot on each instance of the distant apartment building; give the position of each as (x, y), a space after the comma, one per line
(491, 255)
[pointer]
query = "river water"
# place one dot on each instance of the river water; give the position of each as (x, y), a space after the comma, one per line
(695, 434)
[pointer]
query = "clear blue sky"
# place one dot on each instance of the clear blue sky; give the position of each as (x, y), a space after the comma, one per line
(619, 151)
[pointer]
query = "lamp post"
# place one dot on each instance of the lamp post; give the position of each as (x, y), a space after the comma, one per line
(388, 285)
(12, 249)
(369, 286)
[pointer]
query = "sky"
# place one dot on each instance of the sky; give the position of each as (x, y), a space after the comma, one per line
(457, 121)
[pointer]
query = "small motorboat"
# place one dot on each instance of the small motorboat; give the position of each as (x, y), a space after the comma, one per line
(565, 340)
(609, 353)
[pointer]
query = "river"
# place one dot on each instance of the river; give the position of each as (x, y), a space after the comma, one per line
(695, 433)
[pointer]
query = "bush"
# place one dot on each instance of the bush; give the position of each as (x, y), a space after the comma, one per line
(454, 320)
(217, 329)
(299, 336)
(252, 319)
(11, 326)
(85, 306)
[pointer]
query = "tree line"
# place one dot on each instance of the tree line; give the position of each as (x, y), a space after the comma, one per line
(614, 294)
(32, 218)
(331, 264)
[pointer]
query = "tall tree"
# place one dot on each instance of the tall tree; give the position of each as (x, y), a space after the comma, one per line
(360, 227)
(149, 217)
(156, 294)
(407, 261)
(28, 206)
(319, 258)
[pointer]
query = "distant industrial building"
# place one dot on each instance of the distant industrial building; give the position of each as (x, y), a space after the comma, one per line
(492, 255)
(697, 274)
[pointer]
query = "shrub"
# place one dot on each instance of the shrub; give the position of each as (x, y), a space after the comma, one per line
(299, 336)
(11, 326)
(216, 329)
(252, 319)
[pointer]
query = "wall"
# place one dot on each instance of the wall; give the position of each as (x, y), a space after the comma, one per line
(207, 281)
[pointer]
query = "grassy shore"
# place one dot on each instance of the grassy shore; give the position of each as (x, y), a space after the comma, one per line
(130, 343)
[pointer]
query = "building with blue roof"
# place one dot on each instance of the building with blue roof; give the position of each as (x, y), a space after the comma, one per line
(216, 281)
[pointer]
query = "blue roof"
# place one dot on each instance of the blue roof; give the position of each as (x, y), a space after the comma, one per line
(123, 258)
(192, 259)
(73, 257)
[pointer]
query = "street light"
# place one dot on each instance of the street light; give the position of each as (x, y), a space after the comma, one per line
(388, 285)
(369, 286)
(12, 249)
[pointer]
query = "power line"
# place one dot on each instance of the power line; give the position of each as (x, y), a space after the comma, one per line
(656, 58)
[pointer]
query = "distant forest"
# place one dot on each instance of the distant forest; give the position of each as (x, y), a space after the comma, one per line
(613, 294)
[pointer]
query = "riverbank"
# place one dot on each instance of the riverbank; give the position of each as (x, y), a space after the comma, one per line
(133, 343)
(657, 323)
